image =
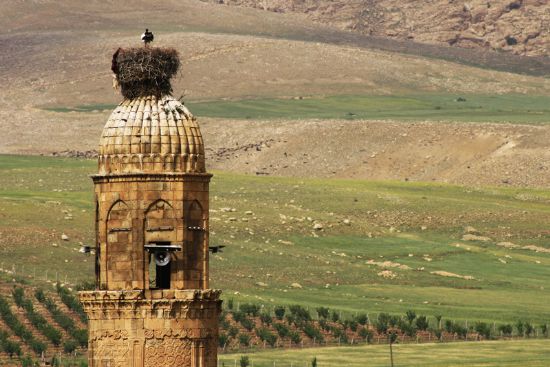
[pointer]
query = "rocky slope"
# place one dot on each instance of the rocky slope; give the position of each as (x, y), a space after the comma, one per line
(518, 26)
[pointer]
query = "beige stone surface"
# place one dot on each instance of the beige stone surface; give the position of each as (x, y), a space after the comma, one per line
(151, 190)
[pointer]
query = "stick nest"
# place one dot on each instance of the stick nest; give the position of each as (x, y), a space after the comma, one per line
(144, 71)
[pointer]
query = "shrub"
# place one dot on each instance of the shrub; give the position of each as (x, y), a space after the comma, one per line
(267, 336)
(529, 329)
(282, 330)
(266, 319)
(233, 331)
(459, 330)
(366, 334)
(410, 315)
(279, 312)
(314, 362)
(438, 334)
(11, 348)
(544, 330)
(448, 326)
(245, 361)
(520, 328)
(295, 337)
(300, 313)
(250, 309)
(506, 329)
(26, 361)
(340, 334)
(335, 316)
(351, 324)
(323, 324)
(290, 319)
(323, 312)
(483, 329)
(382, 323)
(238, 316)
(224, 324)
(37, 346)
(80, 336)
(247, 324)
(312, 332)
(422, 323)
(85, 286)
(222, 340)
(18, 296)
(393, 320)
(362, 319)
(230, 304)
(408, 329)
(40, 296)
(69, 346)
(244, 339)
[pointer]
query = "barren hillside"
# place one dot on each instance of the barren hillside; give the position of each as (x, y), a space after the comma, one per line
(56, 57)
(519, 26)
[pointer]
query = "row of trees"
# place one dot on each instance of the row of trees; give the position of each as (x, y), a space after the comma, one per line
(79, 336)
(19, 329)
(37, 320)
(11, 348)
(71, 302)
(300, 318)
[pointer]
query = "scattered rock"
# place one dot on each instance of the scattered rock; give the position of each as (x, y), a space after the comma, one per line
(296, 286)
(451, 275)
(387, 274)
(473, 237)
(261, 284)
(388, 264)
(318, 226)
(286, 242)
(507, 245)
(64, 237)
(536, 249)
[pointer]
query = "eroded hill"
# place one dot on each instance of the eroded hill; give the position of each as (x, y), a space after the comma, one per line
(519, 26)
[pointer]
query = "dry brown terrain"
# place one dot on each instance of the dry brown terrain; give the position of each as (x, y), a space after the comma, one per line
(58, 55)
(519, 26)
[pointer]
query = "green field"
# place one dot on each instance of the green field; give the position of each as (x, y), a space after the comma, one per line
(473, 354)
(442, 107)
(267, 224)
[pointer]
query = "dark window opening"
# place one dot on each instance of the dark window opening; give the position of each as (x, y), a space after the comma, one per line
(160, 267)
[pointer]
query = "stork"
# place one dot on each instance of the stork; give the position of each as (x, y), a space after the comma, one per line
(147, 37)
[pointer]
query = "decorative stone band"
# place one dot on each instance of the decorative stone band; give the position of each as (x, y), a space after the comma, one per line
(125, 163)
(152, 177)
(161, 304)
(196, 333)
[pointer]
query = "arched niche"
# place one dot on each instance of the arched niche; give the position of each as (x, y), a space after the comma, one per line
(194, 248)
(160, 230)
(118, 248)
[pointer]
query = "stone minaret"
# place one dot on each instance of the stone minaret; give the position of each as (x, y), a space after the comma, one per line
(152, 306)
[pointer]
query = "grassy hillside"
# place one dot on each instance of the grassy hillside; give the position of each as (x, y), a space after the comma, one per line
(524, 109)
(473, 354)
(271, 227)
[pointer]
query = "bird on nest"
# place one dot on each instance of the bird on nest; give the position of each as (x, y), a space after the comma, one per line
(147, 37)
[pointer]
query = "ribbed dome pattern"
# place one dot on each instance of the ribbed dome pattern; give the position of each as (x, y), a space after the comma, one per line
(151, 135)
